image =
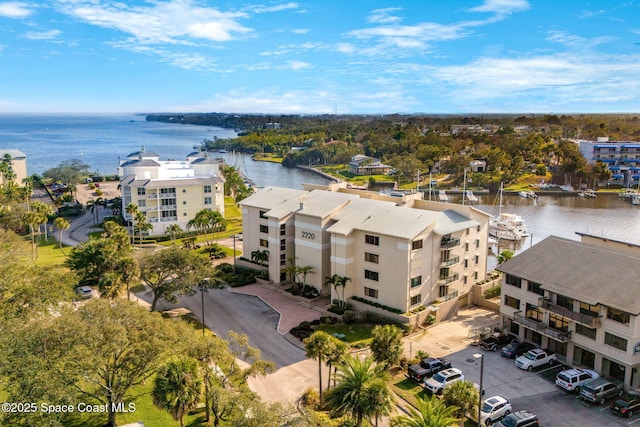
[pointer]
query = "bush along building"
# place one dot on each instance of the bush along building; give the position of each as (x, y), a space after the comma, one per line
(579, 299)
(400, 255)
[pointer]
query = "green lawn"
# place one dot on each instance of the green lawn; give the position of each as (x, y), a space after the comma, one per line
(49, 252)
(353, 334)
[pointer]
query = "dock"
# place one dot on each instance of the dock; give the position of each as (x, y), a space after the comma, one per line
(442, 196)
(470, 196)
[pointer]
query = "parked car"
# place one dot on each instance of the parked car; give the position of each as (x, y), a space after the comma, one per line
(427, 368)
(536, 358)
(85, 292)
(626, 407)
(573, 379)
(516, 349)
(442, 380)
(599, 390)
(496, 341)
(494, 409)
(519, 419)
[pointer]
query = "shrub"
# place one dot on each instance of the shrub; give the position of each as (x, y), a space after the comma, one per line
(493, 292)
(311, 398)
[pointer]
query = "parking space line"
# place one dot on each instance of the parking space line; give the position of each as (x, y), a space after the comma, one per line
(632, 422)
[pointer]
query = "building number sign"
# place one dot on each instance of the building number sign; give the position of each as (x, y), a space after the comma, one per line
(308, 235)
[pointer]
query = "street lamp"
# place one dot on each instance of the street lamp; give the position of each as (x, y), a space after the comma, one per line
(481, 357)
(202, 291)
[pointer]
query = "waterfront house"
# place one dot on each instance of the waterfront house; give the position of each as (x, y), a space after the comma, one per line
(401, 253)
(172, 191)
(365, 165)
(579, 299)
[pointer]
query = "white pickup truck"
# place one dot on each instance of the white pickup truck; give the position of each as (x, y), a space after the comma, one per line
(534, 358)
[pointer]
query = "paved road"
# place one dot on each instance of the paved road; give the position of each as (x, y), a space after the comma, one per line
(226, 311)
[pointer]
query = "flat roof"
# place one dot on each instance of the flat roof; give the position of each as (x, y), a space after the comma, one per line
(588, 273)
(321, 203)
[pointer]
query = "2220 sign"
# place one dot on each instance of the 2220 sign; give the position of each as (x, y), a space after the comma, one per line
(308, 235)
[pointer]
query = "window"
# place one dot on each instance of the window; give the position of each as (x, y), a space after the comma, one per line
(589, 310)
(141, 191)
(478, 229)
(443, 291)
(477, 243)
(475, 275)
(558, 322)
(264, 229)
(283, 259)
(466, 263)
(416, 281)
(564, 301)
(167, 191)
(587, 332)
(464, 279)
(263, 214)
(618, 315)
(416, 244)
(283, 229)
(369, 257)
(477, 259)
(142, 203)
(466, 247)
(207, 189)
(373, 293)
(512, 302)
(513, 281)
(169, 214)
(534, 313)
(536, 288)
(615, 341)
(168, 202)
(264, 243)
(371, 275)
(372, 240)
(417, 299)
(207, 200)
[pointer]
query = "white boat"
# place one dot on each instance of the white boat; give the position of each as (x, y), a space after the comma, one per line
(589, 194)
(635, 199)
(527, 194)
(507, 226)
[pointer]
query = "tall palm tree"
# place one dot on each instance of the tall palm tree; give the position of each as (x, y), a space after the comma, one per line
(178, 387)
(173, 230)
(431, 413)
(131, 210)
(44, 211)
(386, 344)
(464, 396)
(319, 346)
(142, 224)
(336, 357)
(357, 380)
(380, 398)
(61, 224)
(305, 270)
(342, 283)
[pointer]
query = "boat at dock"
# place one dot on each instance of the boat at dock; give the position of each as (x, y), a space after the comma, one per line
(442, 196)
(527, 194)
(507, 226)
(588, 194)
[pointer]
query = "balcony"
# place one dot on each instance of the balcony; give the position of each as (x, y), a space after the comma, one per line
(449, 243)
(448, 296)
(169, 219)
(541, 327)
(168, 207)
(447, 279)
(575, 316)
(450, 261)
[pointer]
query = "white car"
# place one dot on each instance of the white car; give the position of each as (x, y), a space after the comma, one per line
(494, 409)
(85, 292)
(437, 383)
(573, 379)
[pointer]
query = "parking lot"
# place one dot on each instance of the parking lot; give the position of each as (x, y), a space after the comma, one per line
(534, 391)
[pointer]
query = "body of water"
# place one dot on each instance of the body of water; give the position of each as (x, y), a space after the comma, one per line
(100, 140)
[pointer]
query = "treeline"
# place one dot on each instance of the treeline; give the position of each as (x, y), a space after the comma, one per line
(512, 145)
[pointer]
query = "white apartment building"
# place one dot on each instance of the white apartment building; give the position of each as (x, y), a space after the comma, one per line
(18, 165)
(579, 299)
(170, 192)
(398, 252)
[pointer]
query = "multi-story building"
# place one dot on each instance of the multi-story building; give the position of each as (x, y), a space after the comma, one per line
(17, 163)
(622, 158)
(170, 192)
(579, 299)
(399, 252)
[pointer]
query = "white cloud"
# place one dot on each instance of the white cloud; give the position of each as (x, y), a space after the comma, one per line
(15, 10)
(502, 7)
(300, 31)
(276, 8)
(565, 38)
(383, 16)
(42, 35)
(299, 65)
(172, 22)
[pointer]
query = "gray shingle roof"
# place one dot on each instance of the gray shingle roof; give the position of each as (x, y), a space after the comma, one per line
(587, 273)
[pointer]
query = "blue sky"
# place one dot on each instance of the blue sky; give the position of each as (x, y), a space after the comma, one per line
(348, 56)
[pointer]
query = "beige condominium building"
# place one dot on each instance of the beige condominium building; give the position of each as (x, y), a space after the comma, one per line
(580, 299)
(170, 191)
(401, 252)
(18, 165)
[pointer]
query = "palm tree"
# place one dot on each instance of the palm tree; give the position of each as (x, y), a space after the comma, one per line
(207, 221)
(504, 256)
(431, 413)
(173, 230)
(260, 257)
(386, 344)
(131, 210)
(142, 224)
(342, 283)
(94, 207)
(304, 270)
(32, 218)
(45, 211)
(61, 224)
(380, 397)
(178, 387)
(319, 346)
(357, 381)
(463, 395)
(336, 357)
